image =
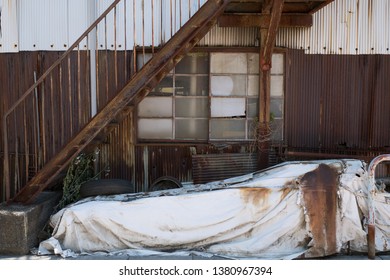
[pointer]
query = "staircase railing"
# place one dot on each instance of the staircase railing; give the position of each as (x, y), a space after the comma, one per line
(82, 81)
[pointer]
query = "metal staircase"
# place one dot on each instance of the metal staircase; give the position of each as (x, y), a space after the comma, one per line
(37, 131)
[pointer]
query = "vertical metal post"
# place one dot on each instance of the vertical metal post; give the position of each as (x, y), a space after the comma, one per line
(370, 202)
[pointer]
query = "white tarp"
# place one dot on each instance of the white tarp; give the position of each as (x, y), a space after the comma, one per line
(293, 209)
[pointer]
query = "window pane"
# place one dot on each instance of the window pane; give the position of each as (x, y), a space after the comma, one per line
(191, 107)
(155, 107)
(232, 85)
(277, 86)
(194, 63)
(194, 129)
(228, 107)
(155, 128)
(277, 63)
(277, 130)
(253, 63)
(253, 85)
(164, 88)
(276, 107)
(253, 107)
(231, 63)
(227, 129)
(192, 85)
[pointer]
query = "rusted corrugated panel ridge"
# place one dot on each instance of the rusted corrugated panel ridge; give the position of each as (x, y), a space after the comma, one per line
(338, 104)
(213, 167)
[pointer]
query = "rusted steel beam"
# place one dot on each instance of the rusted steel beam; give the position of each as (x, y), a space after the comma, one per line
(371, 207)
(263, 20)
(144, 80)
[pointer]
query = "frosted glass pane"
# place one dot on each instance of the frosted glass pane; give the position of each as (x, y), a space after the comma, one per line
(155, 107)
(233, 63)
(276, 107)
(192, 85)
(193, 63)
(227, 129)
(277, 64)
(233, 85)
(192, 107)
(253, 107)
(228, 107)
(277, 88)
(253, 63)
(253, 85)
(191, 129)
(155, 128)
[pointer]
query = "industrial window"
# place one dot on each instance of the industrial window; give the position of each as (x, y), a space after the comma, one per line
(211, 96)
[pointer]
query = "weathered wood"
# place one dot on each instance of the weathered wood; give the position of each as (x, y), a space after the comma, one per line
(162, 62)
(263, 20)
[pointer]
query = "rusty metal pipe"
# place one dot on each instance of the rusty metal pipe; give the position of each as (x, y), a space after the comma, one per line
(371, 206)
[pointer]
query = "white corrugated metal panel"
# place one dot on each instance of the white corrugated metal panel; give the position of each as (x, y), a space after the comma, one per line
(43, 24)
(231, 37)
(80, 16)
(143, 22)
(9, 41)
(343, 27)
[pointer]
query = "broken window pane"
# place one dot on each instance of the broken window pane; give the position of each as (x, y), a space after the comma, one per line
(232, 85)
(193, 63)
(228, 107)
(227, 129)
(191, 107)
(192, 85)
(164, 88)
(155, 128)
(194, 129)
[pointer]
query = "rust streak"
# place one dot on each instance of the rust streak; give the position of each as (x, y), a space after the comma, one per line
(255, 196)
(320, 198)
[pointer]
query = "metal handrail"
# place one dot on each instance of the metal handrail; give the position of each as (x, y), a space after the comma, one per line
(371, 206)
(30, 137)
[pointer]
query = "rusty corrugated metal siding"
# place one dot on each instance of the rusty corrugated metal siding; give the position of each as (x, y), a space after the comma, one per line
(338, 104)
(117, 153)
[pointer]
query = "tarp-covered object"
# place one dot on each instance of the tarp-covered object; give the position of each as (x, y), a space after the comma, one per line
(307, 209)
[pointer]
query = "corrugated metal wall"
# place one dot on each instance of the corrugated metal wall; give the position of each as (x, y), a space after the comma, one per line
(338, 104)
(343, 27)
(55, 24)
(9, 39)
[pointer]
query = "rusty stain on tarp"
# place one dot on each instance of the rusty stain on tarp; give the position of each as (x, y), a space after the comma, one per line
(319, 188)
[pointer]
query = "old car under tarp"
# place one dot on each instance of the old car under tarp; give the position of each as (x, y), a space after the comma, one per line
(292, 210)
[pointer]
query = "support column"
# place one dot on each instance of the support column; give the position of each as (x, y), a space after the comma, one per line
(267, 43)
